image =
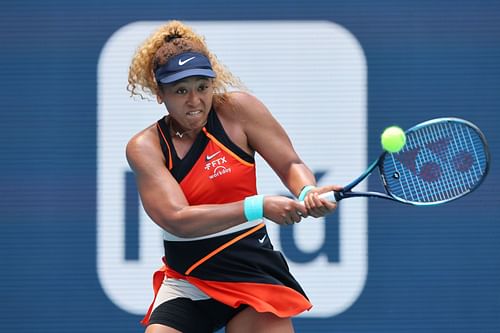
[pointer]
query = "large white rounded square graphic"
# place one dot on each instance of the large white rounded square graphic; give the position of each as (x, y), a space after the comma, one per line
(312, 77)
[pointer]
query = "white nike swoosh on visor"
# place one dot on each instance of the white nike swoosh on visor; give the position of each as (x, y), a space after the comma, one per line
(182, 62)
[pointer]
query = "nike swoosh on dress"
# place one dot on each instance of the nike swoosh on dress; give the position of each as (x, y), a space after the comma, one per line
(209, 157)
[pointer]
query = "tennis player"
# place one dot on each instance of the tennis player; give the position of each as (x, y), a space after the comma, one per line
(195, 172)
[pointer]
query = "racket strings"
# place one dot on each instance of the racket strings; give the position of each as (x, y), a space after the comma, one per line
(440, 161)
(446, 183)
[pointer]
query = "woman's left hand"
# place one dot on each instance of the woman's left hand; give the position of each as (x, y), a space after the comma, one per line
(318, 207)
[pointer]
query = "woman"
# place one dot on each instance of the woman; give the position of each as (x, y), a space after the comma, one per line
(195, 173)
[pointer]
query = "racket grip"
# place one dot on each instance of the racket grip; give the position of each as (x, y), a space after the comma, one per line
(330, 196)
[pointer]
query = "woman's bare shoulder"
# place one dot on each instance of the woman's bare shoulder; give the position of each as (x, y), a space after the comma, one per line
(240, 104)
(145, 142)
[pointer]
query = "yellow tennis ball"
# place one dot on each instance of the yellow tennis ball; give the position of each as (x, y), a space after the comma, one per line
(393, 139)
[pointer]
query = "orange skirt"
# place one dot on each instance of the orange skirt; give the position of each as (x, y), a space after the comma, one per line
(235, 269)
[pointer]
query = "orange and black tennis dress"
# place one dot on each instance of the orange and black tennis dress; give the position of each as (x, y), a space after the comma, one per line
(238, 265)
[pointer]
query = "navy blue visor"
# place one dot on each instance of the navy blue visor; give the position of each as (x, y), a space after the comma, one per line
(182, 66)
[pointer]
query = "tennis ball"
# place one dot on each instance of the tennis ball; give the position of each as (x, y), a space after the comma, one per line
(393, 139)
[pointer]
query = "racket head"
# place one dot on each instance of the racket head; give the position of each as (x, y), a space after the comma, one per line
(443, 159)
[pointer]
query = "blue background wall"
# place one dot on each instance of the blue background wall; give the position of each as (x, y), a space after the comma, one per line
(430, 270)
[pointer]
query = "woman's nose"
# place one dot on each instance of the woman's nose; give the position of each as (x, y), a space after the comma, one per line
(193, 98)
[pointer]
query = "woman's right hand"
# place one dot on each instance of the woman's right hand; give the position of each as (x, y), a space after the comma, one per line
(283, 210)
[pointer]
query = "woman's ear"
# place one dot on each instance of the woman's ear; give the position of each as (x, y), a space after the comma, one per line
(159, 99)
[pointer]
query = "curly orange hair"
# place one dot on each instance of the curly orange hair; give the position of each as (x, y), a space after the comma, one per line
(169, 40)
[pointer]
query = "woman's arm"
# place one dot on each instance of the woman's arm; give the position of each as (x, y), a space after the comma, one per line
(270, 140)
(163, 198)
(266, 136)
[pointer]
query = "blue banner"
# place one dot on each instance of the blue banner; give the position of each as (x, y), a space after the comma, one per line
(77, 248)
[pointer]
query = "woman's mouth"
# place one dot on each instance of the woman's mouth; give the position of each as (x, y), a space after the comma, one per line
(194, 113)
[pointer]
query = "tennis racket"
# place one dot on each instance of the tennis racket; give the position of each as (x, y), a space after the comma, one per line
(443, 160)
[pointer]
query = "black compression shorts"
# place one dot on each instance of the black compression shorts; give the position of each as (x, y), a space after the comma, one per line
(188, 316)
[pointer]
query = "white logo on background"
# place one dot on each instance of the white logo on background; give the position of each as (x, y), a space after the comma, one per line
(339, 67)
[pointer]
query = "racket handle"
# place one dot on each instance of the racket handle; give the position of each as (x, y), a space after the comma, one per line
(330, 196)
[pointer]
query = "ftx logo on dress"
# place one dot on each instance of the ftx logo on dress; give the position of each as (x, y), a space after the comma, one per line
(215, 164)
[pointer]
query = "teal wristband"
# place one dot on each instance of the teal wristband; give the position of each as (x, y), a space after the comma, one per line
(304, 192)
(253, 207)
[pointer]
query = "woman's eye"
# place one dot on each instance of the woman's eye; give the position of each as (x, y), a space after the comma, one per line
(181, 91)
